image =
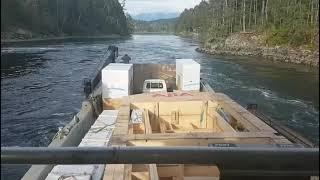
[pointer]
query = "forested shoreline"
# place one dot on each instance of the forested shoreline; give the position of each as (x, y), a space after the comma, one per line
(28, 19)
(281, 30)
(256, 27)
(156, 26)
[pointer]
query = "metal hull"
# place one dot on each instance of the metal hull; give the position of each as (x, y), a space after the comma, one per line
(72, 134)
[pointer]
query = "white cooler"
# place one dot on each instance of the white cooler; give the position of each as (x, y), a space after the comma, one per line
(117, 80)
(187, 74)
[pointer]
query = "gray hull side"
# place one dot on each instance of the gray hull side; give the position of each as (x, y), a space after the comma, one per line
(77, 128)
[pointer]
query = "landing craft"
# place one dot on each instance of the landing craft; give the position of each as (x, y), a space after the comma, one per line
(125, 131)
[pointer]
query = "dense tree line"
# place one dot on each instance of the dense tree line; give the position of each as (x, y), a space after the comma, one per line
(65, 17)
(162, 25)
(285, 22)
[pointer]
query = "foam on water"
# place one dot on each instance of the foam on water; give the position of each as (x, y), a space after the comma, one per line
(27, 49)
(61, 114)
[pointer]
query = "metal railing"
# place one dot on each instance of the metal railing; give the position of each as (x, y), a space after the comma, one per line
(230, 160)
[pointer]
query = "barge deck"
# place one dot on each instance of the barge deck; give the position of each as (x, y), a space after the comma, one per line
(179, 134)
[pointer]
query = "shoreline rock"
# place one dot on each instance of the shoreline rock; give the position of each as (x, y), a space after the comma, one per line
(21, 35)
(311, 59)
(9, 42)
(252, 45)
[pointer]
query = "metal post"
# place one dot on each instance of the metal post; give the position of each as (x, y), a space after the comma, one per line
(87, 87)
(253, 161)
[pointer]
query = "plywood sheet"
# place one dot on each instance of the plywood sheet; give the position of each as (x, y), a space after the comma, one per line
(183, 107)
(172, 96)
(200, 142)
(194, 170)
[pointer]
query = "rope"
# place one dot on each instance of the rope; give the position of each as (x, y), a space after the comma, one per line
(61, 133)
(65, 131)
(67, 176)
(100, 128)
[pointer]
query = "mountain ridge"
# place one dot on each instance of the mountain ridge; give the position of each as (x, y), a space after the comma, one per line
(155, 16)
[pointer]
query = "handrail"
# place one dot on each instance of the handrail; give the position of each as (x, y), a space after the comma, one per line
(230, 160)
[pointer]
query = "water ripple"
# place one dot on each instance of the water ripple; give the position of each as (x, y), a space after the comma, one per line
(41, 86)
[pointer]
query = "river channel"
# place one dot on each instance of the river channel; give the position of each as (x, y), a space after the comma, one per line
(41, 85)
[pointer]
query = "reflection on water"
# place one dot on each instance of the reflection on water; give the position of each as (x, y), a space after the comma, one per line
(20, 64)
(41, 85)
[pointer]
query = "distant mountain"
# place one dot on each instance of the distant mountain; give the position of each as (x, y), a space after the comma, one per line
(155, 16)
(155, 26)
(165, 20)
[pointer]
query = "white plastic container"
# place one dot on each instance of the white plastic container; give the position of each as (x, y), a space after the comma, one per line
(187, 74)
(117, 80)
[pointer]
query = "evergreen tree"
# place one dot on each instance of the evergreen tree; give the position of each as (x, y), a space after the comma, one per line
(65, 17)
(286, 22)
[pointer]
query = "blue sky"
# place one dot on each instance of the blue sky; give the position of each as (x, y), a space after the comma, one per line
(135, 7)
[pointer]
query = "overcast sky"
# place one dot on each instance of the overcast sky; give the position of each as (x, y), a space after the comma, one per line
(135, 7)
